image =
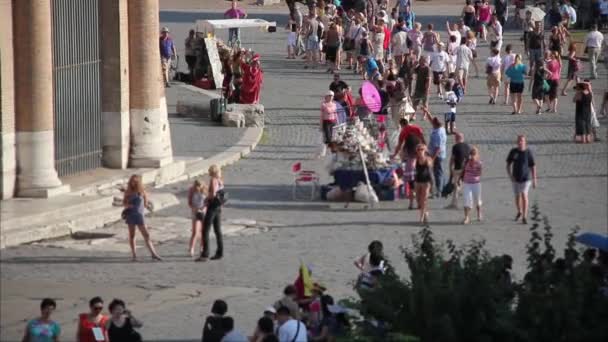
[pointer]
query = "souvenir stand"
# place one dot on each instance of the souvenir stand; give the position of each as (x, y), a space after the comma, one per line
(360, 163)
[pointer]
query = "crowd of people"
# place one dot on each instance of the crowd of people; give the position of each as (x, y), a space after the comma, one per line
(304, 312)
(403, 63)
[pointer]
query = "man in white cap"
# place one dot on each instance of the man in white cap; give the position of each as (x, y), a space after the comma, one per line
(167, 51)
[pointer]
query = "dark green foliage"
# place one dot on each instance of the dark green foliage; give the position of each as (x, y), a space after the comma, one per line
(464, 294)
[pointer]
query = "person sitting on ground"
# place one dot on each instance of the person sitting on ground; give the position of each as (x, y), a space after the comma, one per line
(290, 329)
(214, 328)
(289, 301)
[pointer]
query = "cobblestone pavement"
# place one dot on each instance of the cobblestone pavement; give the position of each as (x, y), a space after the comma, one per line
(173, 297)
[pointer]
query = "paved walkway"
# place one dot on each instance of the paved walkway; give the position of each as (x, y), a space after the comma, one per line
(173, 297)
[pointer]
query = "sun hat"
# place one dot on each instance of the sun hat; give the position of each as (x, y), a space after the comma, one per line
(329, 93)
(270, 309)
(164, 29)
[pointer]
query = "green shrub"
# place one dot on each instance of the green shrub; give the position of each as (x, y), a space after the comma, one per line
(464, 294)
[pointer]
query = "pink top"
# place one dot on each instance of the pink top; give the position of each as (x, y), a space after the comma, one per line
(555, 68)
(472, 172)
(328, 111)
(484, 14)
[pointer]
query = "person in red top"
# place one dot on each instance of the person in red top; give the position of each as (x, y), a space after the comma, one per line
(387, 40)
(253, 78)
(92, 325)
(409, 137)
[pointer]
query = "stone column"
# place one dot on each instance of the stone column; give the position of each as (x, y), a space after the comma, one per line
(150, 135)
(7, 104)
(37, 176)
(114, 46)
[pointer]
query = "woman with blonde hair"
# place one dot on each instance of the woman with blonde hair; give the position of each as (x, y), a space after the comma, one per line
(471, 191)
(422, 179)
(214, 201)
(196, 202)
(135, 199)
(472, 44)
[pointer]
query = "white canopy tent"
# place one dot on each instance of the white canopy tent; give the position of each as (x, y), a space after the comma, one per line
(208, 27)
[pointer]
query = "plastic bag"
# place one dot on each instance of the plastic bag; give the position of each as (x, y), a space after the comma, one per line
(363, 194)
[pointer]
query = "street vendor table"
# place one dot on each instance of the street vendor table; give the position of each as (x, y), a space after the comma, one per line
(348, 179)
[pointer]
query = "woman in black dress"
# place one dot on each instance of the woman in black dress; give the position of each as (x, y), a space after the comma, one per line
(120, 328)
(538, 86)
(582, 118)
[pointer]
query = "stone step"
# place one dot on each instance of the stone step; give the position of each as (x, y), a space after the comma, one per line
(83, 216)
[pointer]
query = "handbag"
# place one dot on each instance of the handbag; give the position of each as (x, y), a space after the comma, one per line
(546, 86)
(221, 197)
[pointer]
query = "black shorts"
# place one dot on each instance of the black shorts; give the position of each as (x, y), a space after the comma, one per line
(553, 87)
(450, 117)
(437, 77)
(516, 88)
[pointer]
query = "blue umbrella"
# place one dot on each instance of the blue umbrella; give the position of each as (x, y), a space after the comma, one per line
(594, 240)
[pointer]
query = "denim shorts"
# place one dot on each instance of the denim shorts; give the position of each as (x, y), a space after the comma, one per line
(312, 43)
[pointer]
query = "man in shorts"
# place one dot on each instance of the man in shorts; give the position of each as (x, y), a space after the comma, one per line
(460, 153)
(423, 85)
(522, 171)
(312, 40)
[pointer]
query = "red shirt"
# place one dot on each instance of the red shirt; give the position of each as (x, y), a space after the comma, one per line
(410, 129)
(387, 37)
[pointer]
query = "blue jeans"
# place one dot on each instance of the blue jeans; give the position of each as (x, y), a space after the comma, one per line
(438, 174)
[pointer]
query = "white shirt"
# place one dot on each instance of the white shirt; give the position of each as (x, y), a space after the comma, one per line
(456, 34)
(463, 57)
(464, 30)
(439, 60)
(287, 332)
(571, 14)
(494, 62)
(498, 30)
(399, 43)
(594, 39)
(507, 61)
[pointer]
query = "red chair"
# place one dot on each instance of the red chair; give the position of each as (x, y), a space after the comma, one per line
(304, 177)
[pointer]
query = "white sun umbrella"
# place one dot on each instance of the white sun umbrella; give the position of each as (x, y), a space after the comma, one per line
(537, 13)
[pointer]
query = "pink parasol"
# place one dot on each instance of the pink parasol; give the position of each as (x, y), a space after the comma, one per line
(371, 97)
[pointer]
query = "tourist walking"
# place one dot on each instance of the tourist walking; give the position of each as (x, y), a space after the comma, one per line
(437, 150)
(468, 15)
(407, 69)
(311, 27)
(493, 64)
(464, 56)
(429, 40)
(332, 47)
(472, 44)
(43, 328)
(422, 88)
(135, 199)
(329, 118)
(536, 44)
(399, 42)
(423, 178)
(190, 53)
(121, 325)
(92, 325)
(415, 37)
(574, 66)
(553, 65)
(439, 65)
(484, 14)
(539, 86)
(215, 200)
(582, 119)
(521, 169)
(496, 32)
(517, 73)
(471, 192)
(167, 52)
(528, 26)
(507, 61)
(460, 154)
(593, 46)
(196, 202)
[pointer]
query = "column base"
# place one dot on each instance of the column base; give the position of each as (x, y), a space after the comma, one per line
(150, 162)
(44, 192)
